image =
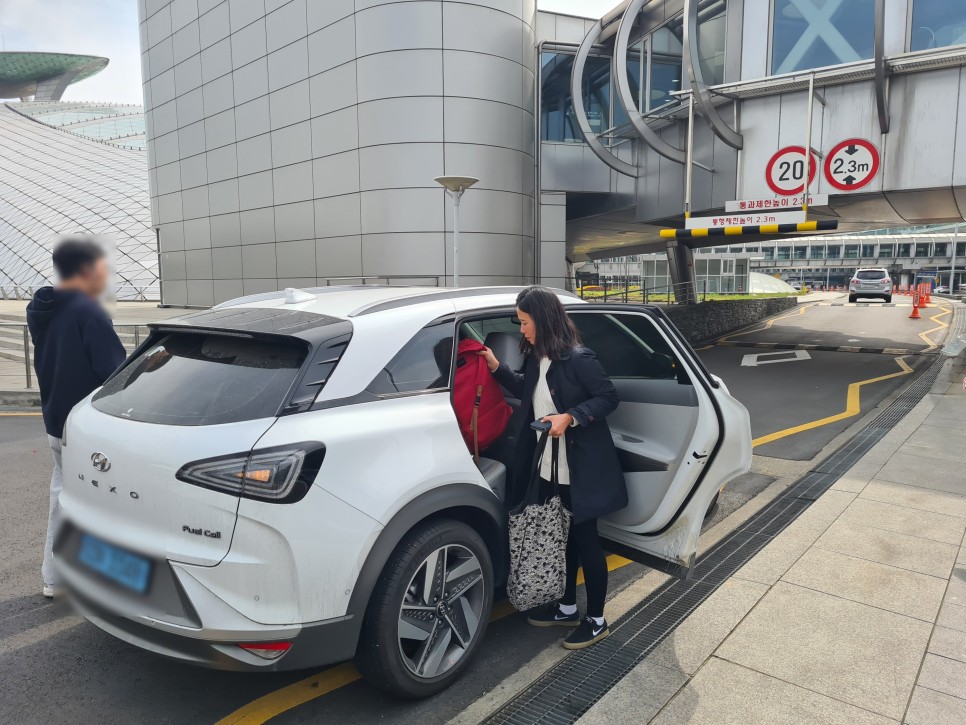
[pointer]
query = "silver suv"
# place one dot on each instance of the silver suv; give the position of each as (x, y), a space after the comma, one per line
(871, 282)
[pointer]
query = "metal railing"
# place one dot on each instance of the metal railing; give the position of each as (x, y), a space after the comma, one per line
(387, 277)
(27, 345)
(680, 293)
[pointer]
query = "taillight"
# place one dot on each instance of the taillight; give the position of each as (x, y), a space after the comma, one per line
(277, 475)
(267, 650)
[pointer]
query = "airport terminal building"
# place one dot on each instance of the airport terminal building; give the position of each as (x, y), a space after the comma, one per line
(295, 143)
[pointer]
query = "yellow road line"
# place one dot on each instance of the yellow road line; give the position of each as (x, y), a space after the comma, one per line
(924, 336)
(298, 693)
(16, 415)
(853, 407)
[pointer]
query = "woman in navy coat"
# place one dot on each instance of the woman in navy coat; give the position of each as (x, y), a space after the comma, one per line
(564, 384)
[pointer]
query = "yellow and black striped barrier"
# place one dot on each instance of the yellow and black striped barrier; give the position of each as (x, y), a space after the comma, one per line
(737, 231)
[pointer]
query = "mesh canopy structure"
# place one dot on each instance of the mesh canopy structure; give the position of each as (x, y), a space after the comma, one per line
(55, 183)
(117, 124)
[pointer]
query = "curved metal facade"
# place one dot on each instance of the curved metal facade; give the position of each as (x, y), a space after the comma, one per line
(54, 183)
(291, 143)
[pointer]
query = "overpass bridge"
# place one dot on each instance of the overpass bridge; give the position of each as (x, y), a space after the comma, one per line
(677, 104)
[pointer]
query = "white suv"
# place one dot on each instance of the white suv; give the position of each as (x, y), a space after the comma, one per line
(872, 282)
(280, 482)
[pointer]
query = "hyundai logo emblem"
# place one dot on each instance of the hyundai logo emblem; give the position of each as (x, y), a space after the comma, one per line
(100, 461)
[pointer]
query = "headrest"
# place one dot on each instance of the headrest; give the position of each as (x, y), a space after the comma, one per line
(506, 347)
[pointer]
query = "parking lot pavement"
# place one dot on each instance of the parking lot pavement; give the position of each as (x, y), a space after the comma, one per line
(802, 403)
(837, 323)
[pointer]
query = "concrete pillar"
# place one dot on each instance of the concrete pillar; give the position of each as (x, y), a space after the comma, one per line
(680, 262)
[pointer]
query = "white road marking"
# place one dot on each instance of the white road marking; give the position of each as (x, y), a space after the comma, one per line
(754, 360)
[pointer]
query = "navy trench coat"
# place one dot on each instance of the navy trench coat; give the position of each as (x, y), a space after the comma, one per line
(579, 386)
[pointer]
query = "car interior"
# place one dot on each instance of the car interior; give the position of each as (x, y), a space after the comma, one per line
(654, 424)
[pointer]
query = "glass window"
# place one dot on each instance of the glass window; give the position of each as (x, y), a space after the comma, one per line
(634, 65)
(851, 251)
(870, 274)
(922, 249)
(801, 252)
(868, 250)
(557, 119)
(768, 252)
(200, 379)
(939, 249)
(905, 250)
(666, 64)
(885, 250)
(422, 364)
(818, 251)
(628, 346)
(815, 33)
(712, 17)
(937, 23)
(961, 249)
(727, 266)
(784, 252)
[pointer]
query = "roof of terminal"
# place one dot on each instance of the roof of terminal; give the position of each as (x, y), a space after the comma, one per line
(22, 70)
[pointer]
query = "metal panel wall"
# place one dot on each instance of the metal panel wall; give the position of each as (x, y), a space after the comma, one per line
(291, 142)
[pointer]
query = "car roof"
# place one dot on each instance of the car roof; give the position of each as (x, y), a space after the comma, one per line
(362, 300)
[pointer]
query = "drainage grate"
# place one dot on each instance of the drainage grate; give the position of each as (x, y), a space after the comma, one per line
(569, 689)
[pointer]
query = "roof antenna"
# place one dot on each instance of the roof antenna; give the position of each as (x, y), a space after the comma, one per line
(293, 296)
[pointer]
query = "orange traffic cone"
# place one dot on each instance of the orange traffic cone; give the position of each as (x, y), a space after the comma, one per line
(915, 307)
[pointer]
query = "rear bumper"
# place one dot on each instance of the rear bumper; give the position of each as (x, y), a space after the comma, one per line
(316, 644)
(181, 619)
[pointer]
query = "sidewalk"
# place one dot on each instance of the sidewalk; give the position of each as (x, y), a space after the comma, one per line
(856, 613)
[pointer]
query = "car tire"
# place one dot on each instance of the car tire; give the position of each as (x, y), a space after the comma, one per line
(888, 299)
(393, 654)
(852, 298)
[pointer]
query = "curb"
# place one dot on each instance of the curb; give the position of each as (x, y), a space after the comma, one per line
(828, 348)
(28, 398)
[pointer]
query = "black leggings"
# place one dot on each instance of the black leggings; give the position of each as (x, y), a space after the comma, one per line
(584, 549)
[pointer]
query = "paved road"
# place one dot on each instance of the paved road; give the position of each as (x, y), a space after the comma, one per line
(57, 668)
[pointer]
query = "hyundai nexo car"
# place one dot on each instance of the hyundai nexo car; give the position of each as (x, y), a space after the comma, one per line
(280, 482)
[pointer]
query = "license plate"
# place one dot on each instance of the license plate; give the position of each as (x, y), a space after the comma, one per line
(127, 569)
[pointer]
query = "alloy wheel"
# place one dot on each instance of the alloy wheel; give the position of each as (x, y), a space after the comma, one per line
(441, 611)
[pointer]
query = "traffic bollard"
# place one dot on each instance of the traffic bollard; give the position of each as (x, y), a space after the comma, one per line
(915, 306)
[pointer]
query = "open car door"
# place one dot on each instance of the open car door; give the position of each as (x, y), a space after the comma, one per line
(680, 436)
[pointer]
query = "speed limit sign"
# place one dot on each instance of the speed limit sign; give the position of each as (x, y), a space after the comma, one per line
(785, 172)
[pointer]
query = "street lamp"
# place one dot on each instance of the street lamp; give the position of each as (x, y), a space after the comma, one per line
(455, 186)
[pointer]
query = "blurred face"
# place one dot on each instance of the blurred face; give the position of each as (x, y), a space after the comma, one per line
(527, 327)
(94, 278)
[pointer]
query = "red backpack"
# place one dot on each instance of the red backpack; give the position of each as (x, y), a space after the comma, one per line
(477, 399)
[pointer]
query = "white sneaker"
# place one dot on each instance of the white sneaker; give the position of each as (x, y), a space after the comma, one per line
(52, 590)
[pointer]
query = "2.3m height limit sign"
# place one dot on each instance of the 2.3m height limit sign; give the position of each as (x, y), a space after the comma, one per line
(852, 164)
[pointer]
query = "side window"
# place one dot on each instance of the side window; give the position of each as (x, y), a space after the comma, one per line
(423, 363)
(629, 346)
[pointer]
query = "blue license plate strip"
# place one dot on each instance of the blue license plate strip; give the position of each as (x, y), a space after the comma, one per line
(127, 569)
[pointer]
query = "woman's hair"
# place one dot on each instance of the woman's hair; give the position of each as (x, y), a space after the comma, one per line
(556, 333)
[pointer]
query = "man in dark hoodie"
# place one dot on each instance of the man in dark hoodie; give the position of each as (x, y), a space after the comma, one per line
(75, 350)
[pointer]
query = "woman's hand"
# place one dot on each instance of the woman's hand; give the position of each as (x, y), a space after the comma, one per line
(558, 423)
(491, 362)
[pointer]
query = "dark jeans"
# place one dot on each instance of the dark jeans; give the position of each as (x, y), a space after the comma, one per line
(584, 549)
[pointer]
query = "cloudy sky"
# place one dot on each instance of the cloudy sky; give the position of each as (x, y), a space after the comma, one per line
(110, 28)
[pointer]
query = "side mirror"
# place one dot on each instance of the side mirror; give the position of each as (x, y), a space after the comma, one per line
(664, 365)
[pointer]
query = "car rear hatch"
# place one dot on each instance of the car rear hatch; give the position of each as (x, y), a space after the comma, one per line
(190, 393)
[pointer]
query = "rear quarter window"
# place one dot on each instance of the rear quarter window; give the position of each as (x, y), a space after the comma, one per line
(189, 378)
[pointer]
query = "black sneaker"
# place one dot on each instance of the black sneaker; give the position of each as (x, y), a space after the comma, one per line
(588, 633)
(551, 616)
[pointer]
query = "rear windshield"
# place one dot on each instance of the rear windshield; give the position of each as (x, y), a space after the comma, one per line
(870, 274)
(203, 379)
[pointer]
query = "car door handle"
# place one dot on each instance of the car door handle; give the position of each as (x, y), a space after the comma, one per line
(699, 457)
